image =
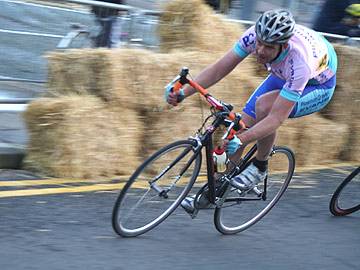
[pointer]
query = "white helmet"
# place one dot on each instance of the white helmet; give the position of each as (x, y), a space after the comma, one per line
(275, 26)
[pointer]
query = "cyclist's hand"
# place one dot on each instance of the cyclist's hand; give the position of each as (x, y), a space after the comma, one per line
(232, 145)
(173, 98)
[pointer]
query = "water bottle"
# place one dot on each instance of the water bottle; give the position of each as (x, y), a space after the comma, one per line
(220, 159)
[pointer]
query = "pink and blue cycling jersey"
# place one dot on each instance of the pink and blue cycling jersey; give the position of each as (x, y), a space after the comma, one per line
(309, 59)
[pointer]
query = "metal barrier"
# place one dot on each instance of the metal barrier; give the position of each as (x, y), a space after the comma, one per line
(116, 6)
(13, 79)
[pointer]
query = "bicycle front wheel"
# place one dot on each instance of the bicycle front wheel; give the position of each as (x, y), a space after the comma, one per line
(345, 199)
(242, 210)
(156, 188)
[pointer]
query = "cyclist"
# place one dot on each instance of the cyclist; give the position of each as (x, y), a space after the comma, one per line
(302, 66)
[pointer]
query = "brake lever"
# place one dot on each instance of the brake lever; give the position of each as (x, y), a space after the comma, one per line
(226, 134)
(180, 79)
(235, 124)
(177, 78)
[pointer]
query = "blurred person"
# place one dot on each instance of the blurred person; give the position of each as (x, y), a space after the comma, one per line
(219, 5)
(106, 18)
(352, 19)
(331, 16)
(215, 4)
(302, 66)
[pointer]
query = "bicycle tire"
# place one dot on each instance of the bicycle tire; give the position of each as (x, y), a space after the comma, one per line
(335, 208)
(229, 220)
(173, 169)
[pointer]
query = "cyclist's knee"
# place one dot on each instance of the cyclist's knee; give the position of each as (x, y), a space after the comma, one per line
(264, 104)
(248, 120)
(262, 109)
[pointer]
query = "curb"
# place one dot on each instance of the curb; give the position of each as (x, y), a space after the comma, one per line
(11, 156)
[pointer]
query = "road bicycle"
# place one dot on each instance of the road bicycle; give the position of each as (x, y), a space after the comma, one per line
(164, 179)
(345, 199)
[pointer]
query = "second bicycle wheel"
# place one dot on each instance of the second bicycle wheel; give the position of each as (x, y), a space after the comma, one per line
(156, 188)
(242, 210)
(345, 199)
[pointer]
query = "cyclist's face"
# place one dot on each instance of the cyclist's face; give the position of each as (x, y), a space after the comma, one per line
(265, 53)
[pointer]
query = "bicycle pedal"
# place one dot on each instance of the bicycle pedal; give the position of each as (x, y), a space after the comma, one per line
(253, 191)
(194, 213)
(256, 191)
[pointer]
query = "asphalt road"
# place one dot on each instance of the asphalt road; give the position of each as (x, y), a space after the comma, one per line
(70, 228)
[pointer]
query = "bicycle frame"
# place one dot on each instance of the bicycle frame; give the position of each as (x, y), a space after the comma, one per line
(208, 143)
(205, 139)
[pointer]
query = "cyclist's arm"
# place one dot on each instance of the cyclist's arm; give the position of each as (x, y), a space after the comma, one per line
(215, 72)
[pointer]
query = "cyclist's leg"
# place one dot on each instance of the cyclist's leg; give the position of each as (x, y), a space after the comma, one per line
(313, 99)
(256, 107)
(263, 107)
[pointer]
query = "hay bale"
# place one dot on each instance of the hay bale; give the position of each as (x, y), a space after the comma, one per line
(77, 136)
(135, 78)
(78, 72)
(171, 124)
(154, 71)
(314, 139)
(347, 92)
(345, 104)
(351, 149)
(125, 77)
(192, 25)
(150, 73)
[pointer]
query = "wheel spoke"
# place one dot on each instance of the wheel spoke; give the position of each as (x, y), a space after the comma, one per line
(144, 203)
(251, 208)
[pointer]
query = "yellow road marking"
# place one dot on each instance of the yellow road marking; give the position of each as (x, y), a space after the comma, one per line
(59, 181)
(20, 183)
(106, 187)
(49, 181)
(201, 177)
(48, 191)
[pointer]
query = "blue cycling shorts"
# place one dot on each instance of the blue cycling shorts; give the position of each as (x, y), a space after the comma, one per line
(313, 98)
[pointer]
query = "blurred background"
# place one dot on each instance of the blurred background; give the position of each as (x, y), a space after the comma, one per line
(29, 29)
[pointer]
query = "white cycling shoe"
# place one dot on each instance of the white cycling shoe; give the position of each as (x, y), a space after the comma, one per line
(188, 203)
(248, 178)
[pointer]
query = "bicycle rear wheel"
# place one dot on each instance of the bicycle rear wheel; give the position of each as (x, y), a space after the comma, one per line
(242, 210)
(345, 199)
(156, 188)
